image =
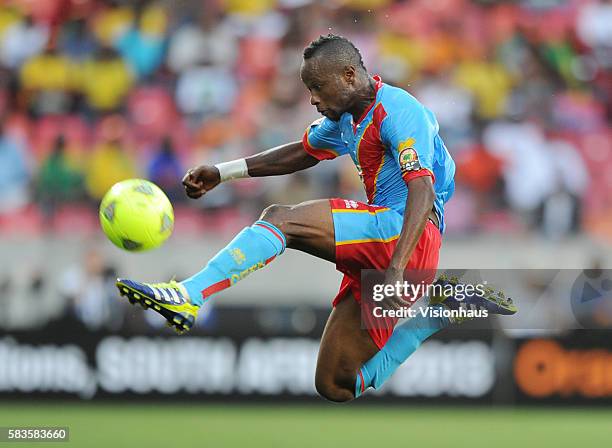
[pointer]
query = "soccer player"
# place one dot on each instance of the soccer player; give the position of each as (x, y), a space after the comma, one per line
(407, 173)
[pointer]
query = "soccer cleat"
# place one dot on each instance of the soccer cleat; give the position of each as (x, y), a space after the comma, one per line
(495, 302)
(168, 299)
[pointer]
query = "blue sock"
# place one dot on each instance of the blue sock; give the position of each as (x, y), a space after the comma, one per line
(404, 341)
(253, 248)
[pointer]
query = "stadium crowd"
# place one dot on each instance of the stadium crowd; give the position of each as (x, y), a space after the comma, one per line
(93, 91)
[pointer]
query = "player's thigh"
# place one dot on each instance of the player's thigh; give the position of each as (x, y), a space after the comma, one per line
(308, 226)
(345, 346)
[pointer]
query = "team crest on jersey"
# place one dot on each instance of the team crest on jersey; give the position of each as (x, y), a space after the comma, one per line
(408, 157)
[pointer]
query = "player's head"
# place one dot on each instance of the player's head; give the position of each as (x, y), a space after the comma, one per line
(332, 71)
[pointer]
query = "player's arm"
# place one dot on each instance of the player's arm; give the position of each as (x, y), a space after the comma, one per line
(284, 159)
(418, 206)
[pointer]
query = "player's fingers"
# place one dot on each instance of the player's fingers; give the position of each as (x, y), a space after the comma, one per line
(189, 179)
(194, 194)
(191, 188)
(189, 183)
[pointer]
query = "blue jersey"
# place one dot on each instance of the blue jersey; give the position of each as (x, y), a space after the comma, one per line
(395, 141)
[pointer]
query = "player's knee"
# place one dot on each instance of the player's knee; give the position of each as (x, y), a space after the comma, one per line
(336, 382)
(334, 392)
(279, 216)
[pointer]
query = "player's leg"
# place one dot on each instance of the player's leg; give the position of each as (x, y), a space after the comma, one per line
(307, 227)
(345, 347)
(408, 337)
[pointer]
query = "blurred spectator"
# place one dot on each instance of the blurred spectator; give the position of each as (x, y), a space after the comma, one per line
(110, 163)
(481, 171)
(21, 41)
(14, 173)
(143, 44)
(208, 42)
(203, 91)
(8, 17)
(90, 288)
(529, 176)
(105, 81)
(594, 24)
(48, 81)
(112, 21)
(60, 178)
(165, 169)
(488, 82)
(76, 41)
(452, 105)
(560, 211)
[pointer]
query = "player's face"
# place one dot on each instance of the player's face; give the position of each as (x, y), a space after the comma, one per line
(330, 92)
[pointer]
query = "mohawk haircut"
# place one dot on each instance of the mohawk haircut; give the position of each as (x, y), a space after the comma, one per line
(339, 48)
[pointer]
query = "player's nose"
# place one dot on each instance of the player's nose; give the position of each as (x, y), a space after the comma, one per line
(314, 100)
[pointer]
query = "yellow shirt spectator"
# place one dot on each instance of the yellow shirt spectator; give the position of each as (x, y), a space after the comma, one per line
(8, 16)
(154, 21)
(109, 24)
(248, 7)
(411, 52)
(48, 71)
(489, 83)
(105, 82)
(109, 164)
(364, 5)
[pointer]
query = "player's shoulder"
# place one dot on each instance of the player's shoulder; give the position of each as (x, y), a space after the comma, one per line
(395, 98)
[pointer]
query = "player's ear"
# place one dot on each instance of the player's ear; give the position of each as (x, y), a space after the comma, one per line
(349, 74)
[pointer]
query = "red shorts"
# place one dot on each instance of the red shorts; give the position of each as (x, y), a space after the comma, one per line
(366, 236)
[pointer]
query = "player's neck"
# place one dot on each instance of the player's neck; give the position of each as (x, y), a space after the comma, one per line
(364, 96)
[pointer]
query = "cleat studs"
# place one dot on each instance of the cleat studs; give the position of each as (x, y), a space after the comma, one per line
(125, 290)
(157, 307)
(177, 320)
(136, 296)
(147, 301)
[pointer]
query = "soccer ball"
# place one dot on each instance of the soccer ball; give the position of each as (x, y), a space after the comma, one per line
(136, 215)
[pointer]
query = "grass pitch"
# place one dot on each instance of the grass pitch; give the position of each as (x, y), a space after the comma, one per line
(171, 425)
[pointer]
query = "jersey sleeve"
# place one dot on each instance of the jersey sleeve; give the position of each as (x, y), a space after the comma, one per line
(322, 140)
(409, 133)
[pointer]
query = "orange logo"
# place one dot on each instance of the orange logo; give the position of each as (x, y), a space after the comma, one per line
(543, 368)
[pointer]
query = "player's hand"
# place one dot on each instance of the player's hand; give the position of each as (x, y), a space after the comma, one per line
(197, 181)
(396, 302)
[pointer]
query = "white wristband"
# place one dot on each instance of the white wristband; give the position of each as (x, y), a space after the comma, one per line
(235, 169)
